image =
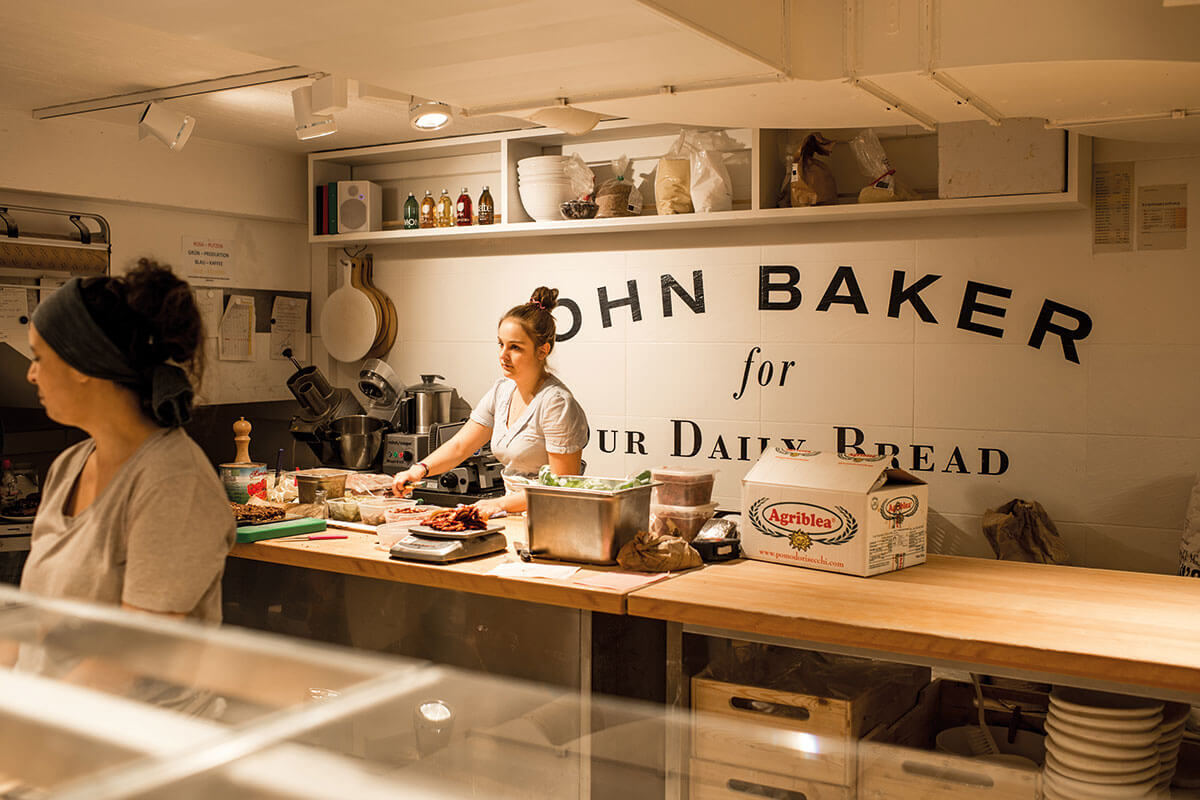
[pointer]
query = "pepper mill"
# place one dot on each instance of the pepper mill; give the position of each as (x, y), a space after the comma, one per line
(241, 440)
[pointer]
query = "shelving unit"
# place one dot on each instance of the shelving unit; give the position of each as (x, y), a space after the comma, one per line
(491, 159)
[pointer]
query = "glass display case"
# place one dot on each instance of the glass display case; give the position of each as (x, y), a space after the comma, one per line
(101, 703)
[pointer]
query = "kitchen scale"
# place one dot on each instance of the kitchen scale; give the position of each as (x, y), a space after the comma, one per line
(442, 547)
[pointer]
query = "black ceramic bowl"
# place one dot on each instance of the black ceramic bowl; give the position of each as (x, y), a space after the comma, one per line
(578, 209)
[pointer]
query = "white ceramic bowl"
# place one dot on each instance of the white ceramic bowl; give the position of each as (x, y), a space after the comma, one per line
(1104, 704)
(1130, 739)
(1099, 765)
(1115, 778)
(543, 201)
(1072, 787)
(1096, 749)
(1134, 725)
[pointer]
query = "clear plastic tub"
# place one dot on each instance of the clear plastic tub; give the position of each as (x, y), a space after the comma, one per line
(682, 487)
(344, 509)
(392, 532)
(682, 521)
(373, 509)
(408, 514)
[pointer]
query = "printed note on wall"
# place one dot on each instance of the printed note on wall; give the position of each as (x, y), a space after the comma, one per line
(14, 319)
(1162, 217)
(1112, 213)
(236, 339)
(288, 321)
(207, 259)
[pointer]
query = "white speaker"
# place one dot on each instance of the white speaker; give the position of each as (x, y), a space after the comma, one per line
(359, 207)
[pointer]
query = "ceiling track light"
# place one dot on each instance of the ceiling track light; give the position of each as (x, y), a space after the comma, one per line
(170, 127)
(429, 115)
(308, 124)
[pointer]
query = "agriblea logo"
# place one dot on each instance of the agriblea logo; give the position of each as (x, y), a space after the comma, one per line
(803, 524)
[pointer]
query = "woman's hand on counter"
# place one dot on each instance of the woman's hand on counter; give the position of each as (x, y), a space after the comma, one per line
(403, 482)
(491, 507)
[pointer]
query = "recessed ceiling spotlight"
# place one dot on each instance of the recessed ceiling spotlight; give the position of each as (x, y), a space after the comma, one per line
(429, 115)
(169, 127)
(308, 124)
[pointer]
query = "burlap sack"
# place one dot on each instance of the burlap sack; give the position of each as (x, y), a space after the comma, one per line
(657, 552)
(1021, 530)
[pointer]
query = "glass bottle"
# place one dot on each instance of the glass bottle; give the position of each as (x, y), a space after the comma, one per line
(445, 210)
(412, 212)
(487, 209)
(8, 483)
(462, 209)
(428, 209)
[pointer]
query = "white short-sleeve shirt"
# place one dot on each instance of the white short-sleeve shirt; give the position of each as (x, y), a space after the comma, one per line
(553, 422)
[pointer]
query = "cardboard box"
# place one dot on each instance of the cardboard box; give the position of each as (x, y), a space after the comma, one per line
(840, 512)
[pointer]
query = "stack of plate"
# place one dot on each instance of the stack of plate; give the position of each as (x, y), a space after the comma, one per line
(1101, 745)
(1170, 734)
(543, 184)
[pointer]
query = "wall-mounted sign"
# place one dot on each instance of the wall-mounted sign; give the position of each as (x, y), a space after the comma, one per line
(1112, 215)
(1162, 217)
(207, 260)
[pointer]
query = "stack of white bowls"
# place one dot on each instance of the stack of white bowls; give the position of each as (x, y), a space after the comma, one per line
(544, 186)
(1101, 745)
(1170, 735)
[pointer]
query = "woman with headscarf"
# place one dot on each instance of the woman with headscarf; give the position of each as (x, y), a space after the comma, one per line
(134, 515)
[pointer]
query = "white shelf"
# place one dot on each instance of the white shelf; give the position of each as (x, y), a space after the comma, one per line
(506, 146)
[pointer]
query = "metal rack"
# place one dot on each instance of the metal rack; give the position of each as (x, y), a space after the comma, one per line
(71, 243)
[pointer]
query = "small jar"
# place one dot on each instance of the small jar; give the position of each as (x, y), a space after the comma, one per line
(320, 504)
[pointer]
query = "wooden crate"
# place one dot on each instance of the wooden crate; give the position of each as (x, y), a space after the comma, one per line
(893, 763)
(711, 781)
(794, 732)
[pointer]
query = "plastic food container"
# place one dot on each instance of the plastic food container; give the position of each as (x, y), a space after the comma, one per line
(391, 533)
(373, 509)
(682, 521)
(333, 481)
(344, 509)
(408, 514)
(683, 487)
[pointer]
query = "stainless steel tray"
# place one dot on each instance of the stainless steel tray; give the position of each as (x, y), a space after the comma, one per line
(585, 525)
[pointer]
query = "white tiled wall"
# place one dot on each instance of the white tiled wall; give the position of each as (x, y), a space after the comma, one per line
(1110, 446)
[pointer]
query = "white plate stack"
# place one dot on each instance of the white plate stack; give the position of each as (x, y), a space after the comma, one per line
(1170, 735)
(543, 184)
(1102, 746)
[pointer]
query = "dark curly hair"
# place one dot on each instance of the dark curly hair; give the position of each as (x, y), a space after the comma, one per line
(151, 317)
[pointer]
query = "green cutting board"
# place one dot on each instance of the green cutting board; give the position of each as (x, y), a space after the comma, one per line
(274, 530)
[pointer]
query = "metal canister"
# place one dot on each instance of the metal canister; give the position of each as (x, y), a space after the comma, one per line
(431, 403)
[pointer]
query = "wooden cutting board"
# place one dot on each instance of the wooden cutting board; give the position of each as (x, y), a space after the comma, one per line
(348, 320)
(388, 329)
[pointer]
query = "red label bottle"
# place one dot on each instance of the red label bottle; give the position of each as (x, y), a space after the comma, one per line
(462, 209)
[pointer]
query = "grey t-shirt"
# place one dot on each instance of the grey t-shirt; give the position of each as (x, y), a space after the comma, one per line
(156, 536)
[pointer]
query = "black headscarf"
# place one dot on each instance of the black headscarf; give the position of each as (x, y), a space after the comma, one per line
(64, 322)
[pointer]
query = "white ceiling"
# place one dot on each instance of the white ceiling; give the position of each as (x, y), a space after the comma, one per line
(752, 63)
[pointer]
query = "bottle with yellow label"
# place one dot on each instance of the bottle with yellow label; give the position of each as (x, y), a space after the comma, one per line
(445, 210)
(428, 209)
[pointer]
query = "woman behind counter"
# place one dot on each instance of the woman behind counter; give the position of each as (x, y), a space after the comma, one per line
(531, 418)
(135, 515)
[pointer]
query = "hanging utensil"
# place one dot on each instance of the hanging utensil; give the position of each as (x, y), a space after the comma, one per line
(348, 322)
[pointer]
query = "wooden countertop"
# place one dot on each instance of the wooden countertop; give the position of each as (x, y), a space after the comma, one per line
(1124, 627)
(358, 555)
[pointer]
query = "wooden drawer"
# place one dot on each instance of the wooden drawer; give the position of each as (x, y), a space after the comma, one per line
(710, 781)
(791, 732)
(892, 763)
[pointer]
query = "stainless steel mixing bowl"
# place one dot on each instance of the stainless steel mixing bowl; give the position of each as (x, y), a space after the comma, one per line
(359, 438)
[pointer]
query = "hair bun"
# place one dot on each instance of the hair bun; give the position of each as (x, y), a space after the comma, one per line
(545, 297)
